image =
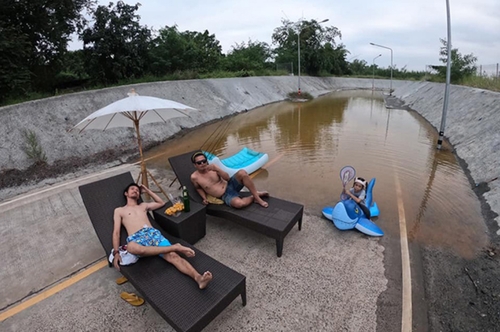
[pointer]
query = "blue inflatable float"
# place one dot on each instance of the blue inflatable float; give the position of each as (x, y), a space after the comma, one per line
(246, 159)
(348, 215)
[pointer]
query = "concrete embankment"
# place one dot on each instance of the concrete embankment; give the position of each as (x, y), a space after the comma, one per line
(471, 126)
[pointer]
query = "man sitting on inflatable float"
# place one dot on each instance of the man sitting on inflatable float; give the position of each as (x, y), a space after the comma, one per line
(356, 205)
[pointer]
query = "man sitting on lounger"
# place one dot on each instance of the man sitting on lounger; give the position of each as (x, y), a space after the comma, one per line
(213, 181)
(144, 240)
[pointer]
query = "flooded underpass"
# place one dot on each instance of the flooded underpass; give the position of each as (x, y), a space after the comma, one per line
(308, 144)
(327, 280)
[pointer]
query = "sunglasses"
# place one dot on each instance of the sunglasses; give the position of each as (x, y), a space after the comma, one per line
(201, 162)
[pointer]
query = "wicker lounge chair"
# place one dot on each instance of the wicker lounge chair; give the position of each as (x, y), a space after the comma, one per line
(275, 221)
(172, 294)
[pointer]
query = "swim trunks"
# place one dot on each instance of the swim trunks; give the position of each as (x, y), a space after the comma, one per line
(149, 237)
(232, 190)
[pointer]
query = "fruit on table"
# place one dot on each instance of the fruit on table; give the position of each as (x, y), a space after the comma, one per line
(177, 207)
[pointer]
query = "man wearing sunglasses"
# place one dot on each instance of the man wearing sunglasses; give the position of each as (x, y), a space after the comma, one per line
(213, 181)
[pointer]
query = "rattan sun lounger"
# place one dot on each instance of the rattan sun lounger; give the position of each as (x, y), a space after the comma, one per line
(275, 221)
(176, 297)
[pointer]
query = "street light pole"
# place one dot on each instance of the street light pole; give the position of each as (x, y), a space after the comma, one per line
(298, 52)
(390, 89)
(448, 77)
(298, 47)
(373, 76)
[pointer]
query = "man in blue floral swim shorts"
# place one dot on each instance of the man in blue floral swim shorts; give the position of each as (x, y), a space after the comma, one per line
(144, 240)
(211, 180)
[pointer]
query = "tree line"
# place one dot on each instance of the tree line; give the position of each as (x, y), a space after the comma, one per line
(34, 55)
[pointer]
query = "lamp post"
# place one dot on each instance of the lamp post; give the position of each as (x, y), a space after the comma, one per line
(448, 77)
(390, 90)
(373, 76)
(298, 47)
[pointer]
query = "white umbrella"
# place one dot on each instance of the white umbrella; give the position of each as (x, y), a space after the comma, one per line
(129, 112)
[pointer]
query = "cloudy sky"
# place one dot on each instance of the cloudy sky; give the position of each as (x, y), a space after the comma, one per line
(412, 28)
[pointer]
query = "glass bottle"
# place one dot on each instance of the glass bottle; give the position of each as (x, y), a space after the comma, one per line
(185, 199)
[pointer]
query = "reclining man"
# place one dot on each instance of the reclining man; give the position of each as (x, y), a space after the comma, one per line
(213, 181)
(144, 240)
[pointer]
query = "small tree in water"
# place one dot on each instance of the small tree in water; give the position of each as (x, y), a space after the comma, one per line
(302, 95)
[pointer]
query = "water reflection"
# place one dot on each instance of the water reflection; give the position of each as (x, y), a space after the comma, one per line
(309, 143)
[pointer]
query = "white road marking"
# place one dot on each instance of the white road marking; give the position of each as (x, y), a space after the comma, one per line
(406, 317)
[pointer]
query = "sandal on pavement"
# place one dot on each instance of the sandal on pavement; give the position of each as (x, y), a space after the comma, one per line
(132, 299)
(121, 280)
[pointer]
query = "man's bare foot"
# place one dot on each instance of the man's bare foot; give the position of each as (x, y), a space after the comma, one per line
(261, 202)
(263, 193)
(204, 279)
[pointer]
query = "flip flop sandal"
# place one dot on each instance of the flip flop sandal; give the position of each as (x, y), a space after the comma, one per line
(121, 280)
(132, 299)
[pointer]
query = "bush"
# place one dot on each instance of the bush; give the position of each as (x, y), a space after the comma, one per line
(245, 73)
(184, 75)
(303, 95)
(32, 148)
(487, 83)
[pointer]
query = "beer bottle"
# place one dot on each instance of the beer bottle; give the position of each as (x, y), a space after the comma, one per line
(185, 199)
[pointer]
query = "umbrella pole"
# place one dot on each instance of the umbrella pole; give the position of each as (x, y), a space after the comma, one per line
(158, 185)
(144, 173)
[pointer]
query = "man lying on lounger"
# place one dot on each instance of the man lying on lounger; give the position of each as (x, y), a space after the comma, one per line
(213, 181)
(144, 240)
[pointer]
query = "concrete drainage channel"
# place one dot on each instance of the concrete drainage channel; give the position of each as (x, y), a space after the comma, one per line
(471, 128)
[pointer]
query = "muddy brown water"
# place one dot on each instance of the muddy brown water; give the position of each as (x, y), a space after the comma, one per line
(308, 144)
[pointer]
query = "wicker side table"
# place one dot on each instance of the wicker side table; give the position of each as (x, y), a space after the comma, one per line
(189, 226)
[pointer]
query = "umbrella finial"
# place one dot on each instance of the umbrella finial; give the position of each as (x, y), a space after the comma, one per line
(132, 93)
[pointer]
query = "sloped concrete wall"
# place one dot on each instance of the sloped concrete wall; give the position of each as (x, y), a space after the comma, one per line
(472, 126)
(52, 118)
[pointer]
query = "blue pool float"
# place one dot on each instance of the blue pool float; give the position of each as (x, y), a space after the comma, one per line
(246, 159)
(348, 215)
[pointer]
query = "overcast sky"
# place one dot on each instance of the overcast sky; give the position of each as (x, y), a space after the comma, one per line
(412, 28)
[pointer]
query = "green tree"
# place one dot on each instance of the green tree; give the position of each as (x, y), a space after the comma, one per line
(313, 39)
(74, 63)
(206, 50)
(359, 67)
(14, 66)
(73, 73)
(461, 65)
(167, 51)
(333, 60)
(37, 33)
(253, 55)
(116, 46)
(179, 51)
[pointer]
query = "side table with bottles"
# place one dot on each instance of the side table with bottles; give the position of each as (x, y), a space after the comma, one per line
(189, 226)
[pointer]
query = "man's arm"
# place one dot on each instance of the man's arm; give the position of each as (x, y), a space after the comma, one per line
(199, 189)
(223, 175)
(158, 202)
(116, 238)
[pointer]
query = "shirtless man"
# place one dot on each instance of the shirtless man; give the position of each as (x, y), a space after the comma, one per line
(144, 240)
(213, 181)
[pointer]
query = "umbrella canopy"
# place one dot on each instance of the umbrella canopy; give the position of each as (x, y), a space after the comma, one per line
(127, 111)
(130, 112)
